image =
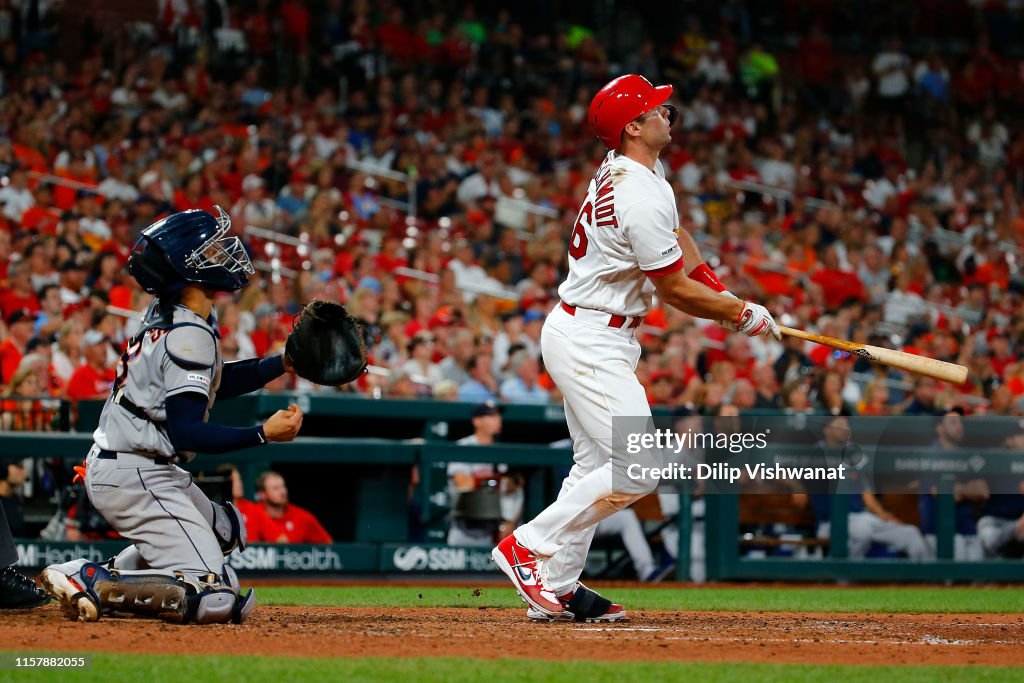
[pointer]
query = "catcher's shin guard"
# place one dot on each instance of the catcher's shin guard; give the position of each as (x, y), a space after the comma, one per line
(153, 595)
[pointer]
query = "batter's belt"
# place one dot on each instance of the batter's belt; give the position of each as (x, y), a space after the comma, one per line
(621, 322)
(135, 458)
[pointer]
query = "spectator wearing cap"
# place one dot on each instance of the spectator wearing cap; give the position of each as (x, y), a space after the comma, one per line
(461, 347)
(512, 334)
(481, 385)
(400, 384)
(72, 282)
(20, 328)
(94, 378)
(486, 182)
(38, 255)
(41, 217)
(254, 209)
(114, 186)
(394, 341)
(19, 294)
(487, 502)
(420, 365)
(15, 196)
(469, 276)
(522, 386)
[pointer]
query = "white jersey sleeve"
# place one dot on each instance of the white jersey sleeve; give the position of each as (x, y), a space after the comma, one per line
(652, 226)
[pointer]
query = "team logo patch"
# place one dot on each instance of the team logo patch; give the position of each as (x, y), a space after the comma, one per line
(203, 379)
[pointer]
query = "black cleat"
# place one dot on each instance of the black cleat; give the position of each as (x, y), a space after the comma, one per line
(18, 591)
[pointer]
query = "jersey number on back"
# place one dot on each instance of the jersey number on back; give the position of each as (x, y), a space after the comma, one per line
(604, 201)
(578, 242)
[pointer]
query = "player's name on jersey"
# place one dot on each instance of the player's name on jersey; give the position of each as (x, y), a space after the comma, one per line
(727, 473)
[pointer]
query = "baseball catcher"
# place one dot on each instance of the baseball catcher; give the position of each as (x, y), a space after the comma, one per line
(326, 345)
(155, 419)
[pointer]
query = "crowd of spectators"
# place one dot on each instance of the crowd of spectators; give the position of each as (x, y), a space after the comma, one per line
(888, 209)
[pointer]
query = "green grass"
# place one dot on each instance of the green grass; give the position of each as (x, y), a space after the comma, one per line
(740, 599)
(157, 668)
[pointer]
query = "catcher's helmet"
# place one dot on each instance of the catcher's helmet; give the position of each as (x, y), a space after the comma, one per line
(622, 100)
(190, 246)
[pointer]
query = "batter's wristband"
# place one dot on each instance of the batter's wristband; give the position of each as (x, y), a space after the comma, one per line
(706, 276)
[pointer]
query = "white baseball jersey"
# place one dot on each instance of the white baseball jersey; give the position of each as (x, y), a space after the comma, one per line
(626, 232)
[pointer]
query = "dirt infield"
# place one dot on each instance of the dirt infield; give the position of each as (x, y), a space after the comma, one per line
(908, 639)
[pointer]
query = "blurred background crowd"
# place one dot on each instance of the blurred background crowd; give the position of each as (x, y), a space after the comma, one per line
(855, 166)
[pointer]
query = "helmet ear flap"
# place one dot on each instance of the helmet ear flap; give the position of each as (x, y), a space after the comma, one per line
(152, 268)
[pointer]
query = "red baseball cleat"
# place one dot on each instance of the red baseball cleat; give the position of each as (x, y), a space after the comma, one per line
(522, 567)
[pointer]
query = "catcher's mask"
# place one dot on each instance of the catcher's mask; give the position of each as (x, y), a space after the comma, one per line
(190, 247)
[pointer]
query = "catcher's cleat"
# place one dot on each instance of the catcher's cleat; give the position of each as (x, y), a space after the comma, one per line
(584, 605)
(77, 594)
(18, 591)
(523, 568)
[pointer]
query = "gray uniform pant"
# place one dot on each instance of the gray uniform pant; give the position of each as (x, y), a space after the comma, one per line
(865, 528)
(995, 532)
(168, 519)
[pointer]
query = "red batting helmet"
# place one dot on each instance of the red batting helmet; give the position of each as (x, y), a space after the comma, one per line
(621, 101)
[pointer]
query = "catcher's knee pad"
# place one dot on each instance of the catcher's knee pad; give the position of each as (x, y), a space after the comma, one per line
(229, 528)
(209, 601)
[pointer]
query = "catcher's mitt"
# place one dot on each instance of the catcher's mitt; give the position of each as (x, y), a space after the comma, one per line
(326, 344)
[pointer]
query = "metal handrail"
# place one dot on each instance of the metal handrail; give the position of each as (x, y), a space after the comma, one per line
(432, 278)
(408, 179)
(781, 194)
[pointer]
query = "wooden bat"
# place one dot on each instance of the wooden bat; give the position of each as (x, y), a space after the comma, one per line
(919, 365)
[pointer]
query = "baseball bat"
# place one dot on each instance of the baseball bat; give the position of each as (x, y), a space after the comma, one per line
(919, 365)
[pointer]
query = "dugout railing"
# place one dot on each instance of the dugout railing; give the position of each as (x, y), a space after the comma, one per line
(362, 486)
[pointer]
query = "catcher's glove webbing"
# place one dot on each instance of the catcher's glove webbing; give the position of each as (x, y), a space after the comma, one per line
(326, 344)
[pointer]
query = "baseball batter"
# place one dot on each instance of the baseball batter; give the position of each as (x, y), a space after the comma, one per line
(155, 419)
(625, 247)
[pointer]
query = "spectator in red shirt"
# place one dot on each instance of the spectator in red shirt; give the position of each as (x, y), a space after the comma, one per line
(20, 328)
(285, 522)
(838, 285)
(92, 379)
(19, 294)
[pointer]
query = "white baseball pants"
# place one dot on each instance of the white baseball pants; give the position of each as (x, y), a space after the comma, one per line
(594, 366)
